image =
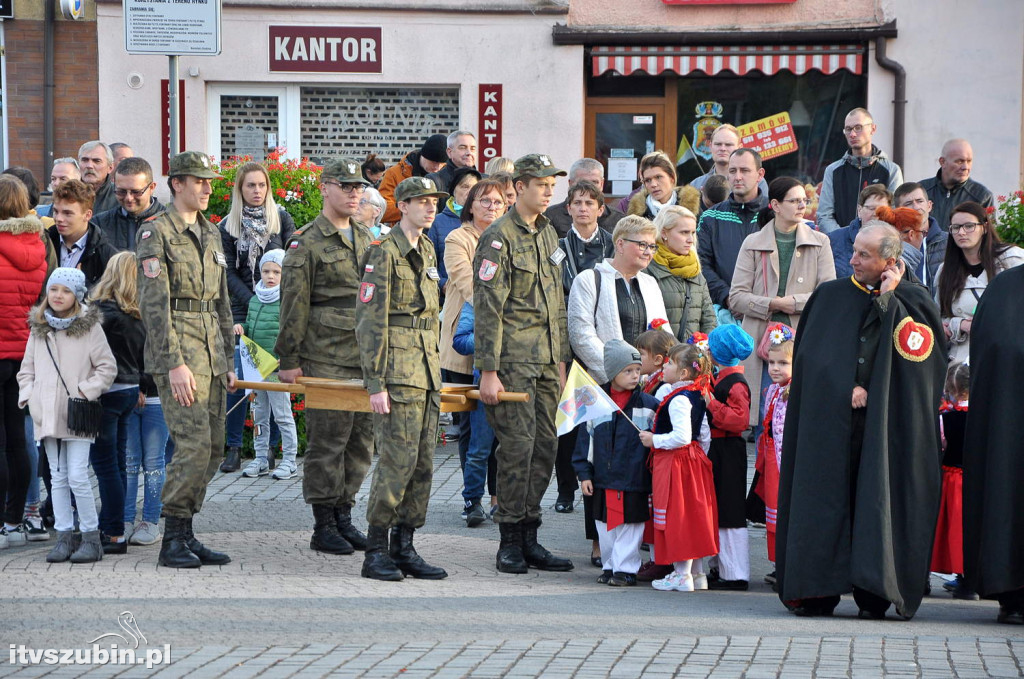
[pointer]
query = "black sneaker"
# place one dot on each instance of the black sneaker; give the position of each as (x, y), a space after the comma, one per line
(564, 505)
(623, 580)
(34, 529)
(770, 578)
(604, 578)
(728, 585)
(475, 515)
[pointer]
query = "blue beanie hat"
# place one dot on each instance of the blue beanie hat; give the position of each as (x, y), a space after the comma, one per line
(729, 344)
(276, 256)
(72, 279)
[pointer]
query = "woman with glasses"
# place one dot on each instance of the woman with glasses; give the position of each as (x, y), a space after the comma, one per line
(483, 203)
(616, 299)
(777, 269)
(254, 225)
(974, 256)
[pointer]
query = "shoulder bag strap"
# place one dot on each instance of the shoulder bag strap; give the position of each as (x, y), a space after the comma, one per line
(47, 342)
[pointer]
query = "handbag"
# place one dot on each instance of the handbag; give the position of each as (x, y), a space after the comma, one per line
(84, 416)
(765, 343)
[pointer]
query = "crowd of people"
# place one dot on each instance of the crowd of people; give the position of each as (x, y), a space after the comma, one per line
(705, 311)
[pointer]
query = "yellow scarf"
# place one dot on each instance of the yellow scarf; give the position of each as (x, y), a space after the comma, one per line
(685, 266)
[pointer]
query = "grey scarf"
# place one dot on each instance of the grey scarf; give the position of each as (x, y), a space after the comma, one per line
(254, 236)
(56, 322)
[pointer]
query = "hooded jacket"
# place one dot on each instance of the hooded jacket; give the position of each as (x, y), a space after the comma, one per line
(843, 181)
(23, 271)
(119, 227)
(409, 166)
(86, 364)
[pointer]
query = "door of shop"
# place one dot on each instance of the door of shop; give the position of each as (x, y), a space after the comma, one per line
(246, 120)
(619, 132)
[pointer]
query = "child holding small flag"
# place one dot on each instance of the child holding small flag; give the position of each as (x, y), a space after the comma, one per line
(685, 513)
(611, 463)
(262, 324)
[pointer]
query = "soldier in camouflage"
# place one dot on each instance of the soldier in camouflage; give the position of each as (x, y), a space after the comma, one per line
(522, 345)
(183, 298)
(319, 283)
(397, 326)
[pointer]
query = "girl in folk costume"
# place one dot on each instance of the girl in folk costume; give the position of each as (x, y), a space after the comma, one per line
(769, 445)
(685, 513)
(948, 552)
(67, 356)
(654, 345)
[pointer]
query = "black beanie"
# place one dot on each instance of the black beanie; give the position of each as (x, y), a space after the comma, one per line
(434, 148)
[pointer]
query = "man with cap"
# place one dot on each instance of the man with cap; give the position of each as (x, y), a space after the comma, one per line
(729, 412)
(183, 299)
(522, 344)
(397, 328)
(319, 283)
(430, 158)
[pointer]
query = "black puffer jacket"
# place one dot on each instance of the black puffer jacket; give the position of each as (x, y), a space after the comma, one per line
(241, 279)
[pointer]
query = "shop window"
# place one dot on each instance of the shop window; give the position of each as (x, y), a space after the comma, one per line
(388, 121)
(247, 125)
(817, 104)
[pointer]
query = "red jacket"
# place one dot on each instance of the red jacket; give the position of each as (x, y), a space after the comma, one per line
(22, 276)
(729, 417)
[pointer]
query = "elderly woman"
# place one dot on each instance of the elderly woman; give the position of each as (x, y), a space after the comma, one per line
(974, 256)
(371, 210)
(615, 299)
(484, 203)
(659, 190)
(677, 270)
(777, 269)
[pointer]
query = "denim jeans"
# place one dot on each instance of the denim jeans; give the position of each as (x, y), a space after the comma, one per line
(235, 424)
(106, 454)
(32, 448)
(474, 472)
(148, 442)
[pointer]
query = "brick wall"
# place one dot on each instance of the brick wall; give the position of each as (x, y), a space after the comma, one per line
(75, 97)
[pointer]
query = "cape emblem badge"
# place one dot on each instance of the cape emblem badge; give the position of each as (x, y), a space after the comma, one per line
(914, 341)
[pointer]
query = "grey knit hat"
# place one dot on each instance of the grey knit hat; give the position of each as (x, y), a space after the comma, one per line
(72, 279)
(276, 256)
(618, 355)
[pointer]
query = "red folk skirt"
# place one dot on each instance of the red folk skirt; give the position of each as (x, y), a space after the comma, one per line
(685, 514)
(948, 550)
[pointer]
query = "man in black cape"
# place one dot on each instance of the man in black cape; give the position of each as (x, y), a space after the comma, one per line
(994, 454)
(860, 479)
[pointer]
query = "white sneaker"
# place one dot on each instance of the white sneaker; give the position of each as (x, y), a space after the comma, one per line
(285, 469)
(16, 537)
(145, 534)
(700, 581)
(674, 581)
(258, 467)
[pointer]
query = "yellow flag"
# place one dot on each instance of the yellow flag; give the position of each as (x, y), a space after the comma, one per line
(582, 400)
(257, 362)
(685, 151)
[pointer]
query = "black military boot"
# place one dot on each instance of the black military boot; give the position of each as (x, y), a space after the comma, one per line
(408, 561)
(377, 563)
(510, 551)
(232, 460)
(343, 519)
(326, 537)
(174, 551)
(536, 555)
(206, 555)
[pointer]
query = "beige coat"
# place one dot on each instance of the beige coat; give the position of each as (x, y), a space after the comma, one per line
(811, 266)
(85, 361)
(459, 250)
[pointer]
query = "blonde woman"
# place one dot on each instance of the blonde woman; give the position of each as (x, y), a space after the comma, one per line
(678, 272)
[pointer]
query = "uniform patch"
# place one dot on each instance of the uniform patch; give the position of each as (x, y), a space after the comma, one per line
(151, 267)
(914, 341)
(219, 256)
(366, 291)
(545, 161)
(368, 268)
(146, 234)
(557, 256)
(294, 245)
(432, 273)
(487, 270)
(496, 244)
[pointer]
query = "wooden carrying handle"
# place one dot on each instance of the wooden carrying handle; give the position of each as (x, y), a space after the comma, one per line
(271, 386)
(514, 396)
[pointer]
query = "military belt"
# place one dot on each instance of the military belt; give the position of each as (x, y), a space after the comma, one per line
(184, 304)
(410, 322)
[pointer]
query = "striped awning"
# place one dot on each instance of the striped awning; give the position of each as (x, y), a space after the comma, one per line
(738, 59)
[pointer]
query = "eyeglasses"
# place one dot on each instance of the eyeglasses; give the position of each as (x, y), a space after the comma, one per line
(797, 201)
(366, 202)
(490, 202)
(967, 227)
(855, 128)
(349, 188)
(644, 247)
(136, 193)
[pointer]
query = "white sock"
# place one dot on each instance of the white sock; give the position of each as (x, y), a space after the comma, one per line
(683, 567)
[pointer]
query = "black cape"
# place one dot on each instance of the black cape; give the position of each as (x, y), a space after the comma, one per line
(994, 450)
(824, 548)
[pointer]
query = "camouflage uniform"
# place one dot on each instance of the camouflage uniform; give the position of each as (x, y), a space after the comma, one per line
(521, 333)
(183, 298)
(397, 325)
(319, 282)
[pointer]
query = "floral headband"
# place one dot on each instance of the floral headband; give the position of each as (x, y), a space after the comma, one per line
(780, 333)
(700, 340)
(658, 324)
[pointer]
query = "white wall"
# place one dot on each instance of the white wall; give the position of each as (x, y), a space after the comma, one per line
(543, 87)
(965, 69)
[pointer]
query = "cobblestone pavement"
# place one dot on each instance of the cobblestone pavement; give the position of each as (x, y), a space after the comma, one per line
(280, 609)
